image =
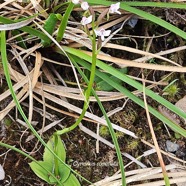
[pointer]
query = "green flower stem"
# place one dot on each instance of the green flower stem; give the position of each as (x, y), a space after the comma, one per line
(88, 91)
(56, 168)
(132, 83)
(111, 130)
(8, 79)
(125, 6)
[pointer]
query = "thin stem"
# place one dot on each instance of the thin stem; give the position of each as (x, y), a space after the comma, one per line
(87, 92)
(165, 175)
(8, 79)
(111, 130)
(56, 168)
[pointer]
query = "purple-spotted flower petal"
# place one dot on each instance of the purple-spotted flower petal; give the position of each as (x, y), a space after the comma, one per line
(86, 20)
(102, 33)
(84, 5)
(114, 8)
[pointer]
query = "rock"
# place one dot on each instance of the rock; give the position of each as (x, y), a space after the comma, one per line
(171, 147)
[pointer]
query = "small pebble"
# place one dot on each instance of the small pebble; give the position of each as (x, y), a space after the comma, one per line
(171, 147)
(132, 22)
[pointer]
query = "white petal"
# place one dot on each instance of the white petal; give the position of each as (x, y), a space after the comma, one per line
(96, 32)
(83, 21)
(117, 5)
(114, 8)
(107, 32)
(2, 173)
(118, 12)
(89, 19)
(84, 5)
(102, 38)
(75, 1)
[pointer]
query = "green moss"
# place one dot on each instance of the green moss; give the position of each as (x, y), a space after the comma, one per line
(7, 122)
(104, 131)
(172, 90)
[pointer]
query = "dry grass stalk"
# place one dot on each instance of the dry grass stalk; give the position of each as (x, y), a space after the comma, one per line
(29, 85)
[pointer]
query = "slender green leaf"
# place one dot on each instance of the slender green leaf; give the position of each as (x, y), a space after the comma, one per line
(136, 85)
(19, 39)
(27, 29)
(60, 8)
(143, 14)
(8, 79)
(74, 59)
(177, 5)
(64, 22)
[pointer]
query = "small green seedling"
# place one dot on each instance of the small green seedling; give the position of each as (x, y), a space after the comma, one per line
(52, 164)
(49, 26)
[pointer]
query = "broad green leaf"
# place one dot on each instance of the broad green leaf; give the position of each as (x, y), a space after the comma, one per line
(39, 171)
(104, 86)
(72, 181)
(64, 173)
(47, 155)
(60, 150)
(8, 79)
(133, 83)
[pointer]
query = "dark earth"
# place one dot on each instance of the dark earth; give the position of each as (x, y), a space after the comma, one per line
(81, 147)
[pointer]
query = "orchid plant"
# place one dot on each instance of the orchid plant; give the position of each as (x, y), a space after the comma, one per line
(114, 8)
(101, 33)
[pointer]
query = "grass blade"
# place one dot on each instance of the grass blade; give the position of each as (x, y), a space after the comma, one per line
(133, 83)
(64, 22)
(8, 79)
(27, 29)
(143, 14)
(157, 4)
(113, 135)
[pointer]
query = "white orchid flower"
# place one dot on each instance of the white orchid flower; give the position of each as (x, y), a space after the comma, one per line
(76, 2)
(114, 8)
(102, 33)
(86, 20)
(84, 5)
